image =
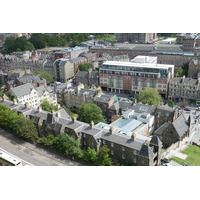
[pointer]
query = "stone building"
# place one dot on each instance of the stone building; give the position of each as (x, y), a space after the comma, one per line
(36, 80)
(164, 113)
(87, 78)
(194, 68)
(186, 90)
(172, 132)
(33, 96)
(126, 150)
(135, 37)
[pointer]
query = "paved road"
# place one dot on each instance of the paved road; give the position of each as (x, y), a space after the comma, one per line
(30, 154)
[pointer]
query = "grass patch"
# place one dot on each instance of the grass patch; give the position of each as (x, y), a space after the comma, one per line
(109, 37)
(193, 158)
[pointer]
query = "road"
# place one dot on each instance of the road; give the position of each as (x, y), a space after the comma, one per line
(29, 154)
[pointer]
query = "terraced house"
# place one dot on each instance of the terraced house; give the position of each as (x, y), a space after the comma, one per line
(130, 150)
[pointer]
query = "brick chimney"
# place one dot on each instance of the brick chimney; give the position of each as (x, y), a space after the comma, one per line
(91, 124)
(58, 114)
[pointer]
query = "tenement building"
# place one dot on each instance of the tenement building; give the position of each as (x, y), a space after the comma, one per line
(135, 37)
(33, 96)
(128, 150)
(183, 89)
(131, 77)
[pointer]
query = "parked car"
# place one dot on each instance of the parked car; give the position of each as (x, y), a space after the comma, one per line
(198, 109)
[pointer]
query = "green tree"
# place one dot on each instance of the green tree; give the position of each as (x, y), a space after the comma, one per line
(103, 156)
(170, 103)
(49, 107)
(20, 42)
(39, 40)
(179, 72)
(21, 126)
(68, 145)
(29, 47)
(44, 75)
(85, 66)
(9, 44)
(149, 96)
(90, 111)
(90, 155)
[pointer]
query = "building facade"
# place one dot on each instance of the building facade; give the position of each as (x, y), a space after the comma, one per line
(183, 89)
(135, 37)
(123, 149)
(130, 77)
(33, 96)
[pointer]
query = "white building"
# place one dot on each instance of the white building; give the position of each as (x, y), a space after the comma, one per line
(145, 59)
(34, 96)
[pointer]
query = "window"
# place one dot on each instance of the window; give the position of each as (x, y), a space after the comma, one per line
(112, 145)
(112, 152)
(123, 149)
(103, 141)
(134, 160)
(123, 156)
(84, 135)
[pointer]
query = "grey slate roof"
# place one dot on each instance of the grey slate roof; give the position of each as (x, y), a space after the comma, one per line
(81, 74)
(22, 89)
(165, 107)
(122, 140)
(161, 129)
(155, 141)
(146, 152)
(78, 59)
(104, 98)
(180, 125)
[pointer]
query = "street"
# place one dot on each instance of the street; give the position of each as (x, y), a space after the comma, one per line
(29, 154)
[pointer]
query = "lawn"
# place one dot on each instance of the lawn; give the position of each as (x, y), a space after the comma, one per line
(109, 37)
(193, 158)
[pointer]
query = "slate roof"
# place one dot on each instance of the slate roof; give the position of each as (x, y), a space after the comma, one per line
(180, 125)
(78, 59)
(146, 152)
(155, 141)
(22, 89)
(165, 107)
(161, 129)
(122, 140)
(81, 74)
(104, 98)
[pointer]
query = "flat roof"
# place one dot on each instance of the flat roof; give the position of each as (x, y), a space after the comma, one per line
(131, 64)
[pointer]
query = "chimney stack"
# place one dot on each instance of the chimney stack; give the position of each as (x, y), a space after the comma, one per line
(74, 119)
(111, 130)
(91, 124)
(58, 113)
(26, 105)
(4, 97)
(133, 136)
(14, 101)
(39, 108)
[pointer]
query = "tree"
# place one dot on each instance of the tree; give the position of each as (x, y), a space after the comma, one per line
(49, 107)
(90, 155)
(90, 111)
(44, 75)
(9, 44)
(39, 40)
(85, 66)
(68, 145)
(29, 47)
(170, 103)
(103, 156)
(149, 96)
